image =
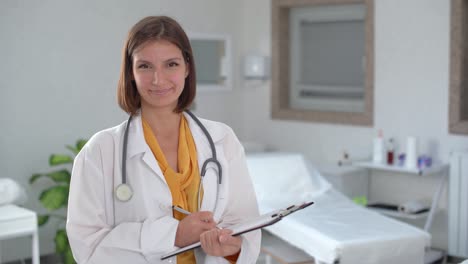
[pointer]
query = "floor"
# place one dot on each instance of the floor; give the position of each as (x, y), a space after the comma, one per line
(261, 260)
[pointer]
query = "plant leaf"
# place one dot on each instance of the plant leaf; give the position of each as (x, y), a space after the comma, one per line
(80, 144)
(68, 256)
(55, 197)
(59, 176)
(42, 219)
(72, 149)
(34, 177)
(61, 241)
(58, 159)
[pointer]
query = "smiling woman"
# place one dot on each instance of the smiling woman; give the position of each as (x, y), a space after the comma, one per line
(112, 219)
(159, 70)
(146, 32)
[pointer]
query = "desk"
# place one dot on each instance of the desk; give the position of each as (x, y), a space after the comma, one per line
(16, 222)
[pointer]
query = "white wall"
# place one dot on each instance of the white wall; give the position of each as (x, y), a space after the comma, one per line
(411, 85)
(411, 97)
(58, 76)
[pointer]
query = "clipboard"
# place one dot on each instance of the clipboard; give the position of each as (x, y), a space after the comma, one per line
(249, 225)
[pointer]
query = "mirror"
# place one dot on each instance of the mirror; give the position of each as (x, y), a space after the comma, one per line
(323, 61)
(212, 54)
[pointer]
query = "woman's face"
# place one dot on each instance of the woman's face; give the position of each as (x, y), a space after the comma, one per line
(159, 71)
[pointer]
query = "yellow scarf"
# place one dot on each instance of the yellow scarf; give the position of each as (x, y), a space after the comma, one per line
(183, 184)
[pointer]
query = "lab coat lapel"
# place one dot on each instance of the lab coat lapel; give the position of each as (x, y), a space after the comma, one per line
(137, 144)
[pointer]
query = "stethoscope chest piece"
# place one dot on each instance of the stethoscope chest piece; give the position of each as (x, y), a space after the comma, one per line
(123, 192)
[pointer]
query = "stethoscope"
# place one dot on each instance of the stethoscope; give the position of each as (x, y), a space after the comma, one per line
(124, 192)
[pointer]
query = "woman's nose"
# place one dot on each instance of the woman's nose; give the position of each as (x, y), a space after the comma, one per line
(156, 77)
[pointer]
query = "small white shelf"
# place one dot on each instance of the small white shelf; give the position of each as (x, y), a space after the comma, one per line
(435, 168)
(399, 214)
(440, 169)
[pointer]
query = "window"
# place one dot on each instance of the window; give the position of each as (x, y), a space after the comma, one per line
(323, 61)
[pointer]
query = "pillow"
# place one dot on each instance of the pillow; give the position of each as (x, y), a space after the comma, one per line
(11, 192)
(284, 178)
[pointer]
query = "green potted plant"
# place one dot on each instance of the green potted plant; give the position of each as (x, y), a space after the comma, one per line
(56, 197)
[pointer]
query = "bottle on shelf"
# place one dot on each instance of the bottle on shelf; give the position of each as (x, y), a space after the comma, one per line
(378, 151)
(411, 159)
(390, 152)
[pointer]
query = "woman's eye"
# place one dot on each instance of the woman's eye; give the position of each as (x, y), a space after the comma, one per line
(173, 64)
(143, 66)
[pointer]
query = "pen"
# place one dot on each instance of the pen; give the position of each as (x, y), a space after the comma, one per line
(177, 208)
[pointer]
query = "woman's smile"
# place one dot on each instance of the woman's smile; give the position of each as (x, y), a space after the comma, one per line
(160, 92)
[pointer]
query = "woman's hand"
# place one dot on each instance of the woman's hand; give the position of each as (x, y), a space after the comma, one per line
(192, 226)
(219, 242)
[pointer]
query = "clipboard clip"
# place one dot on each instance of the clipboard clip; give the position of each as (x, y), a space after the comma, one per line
(291, 209)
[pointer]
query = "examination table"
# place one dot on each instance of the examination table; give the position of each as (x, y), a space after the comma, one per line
(334, 229)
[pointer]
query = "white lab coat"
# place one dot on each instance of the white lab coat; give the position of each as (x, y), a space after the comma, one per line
(102, 229)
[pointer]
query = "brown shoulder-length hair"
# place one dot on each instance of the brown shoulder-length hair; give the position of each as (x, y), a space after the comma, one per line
(150, 29)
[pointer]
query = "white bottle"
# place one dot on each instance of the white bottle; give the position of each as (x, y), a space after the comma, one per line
(411, 153)
(378, 153)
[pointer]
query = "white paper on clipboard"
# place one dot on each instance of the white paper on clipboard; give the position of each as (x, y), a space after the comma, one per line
(249, 225)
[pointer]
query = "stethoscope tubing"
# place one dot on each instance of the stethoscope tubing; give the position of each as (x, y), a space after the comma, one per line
(212, 146)
(124, 152)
